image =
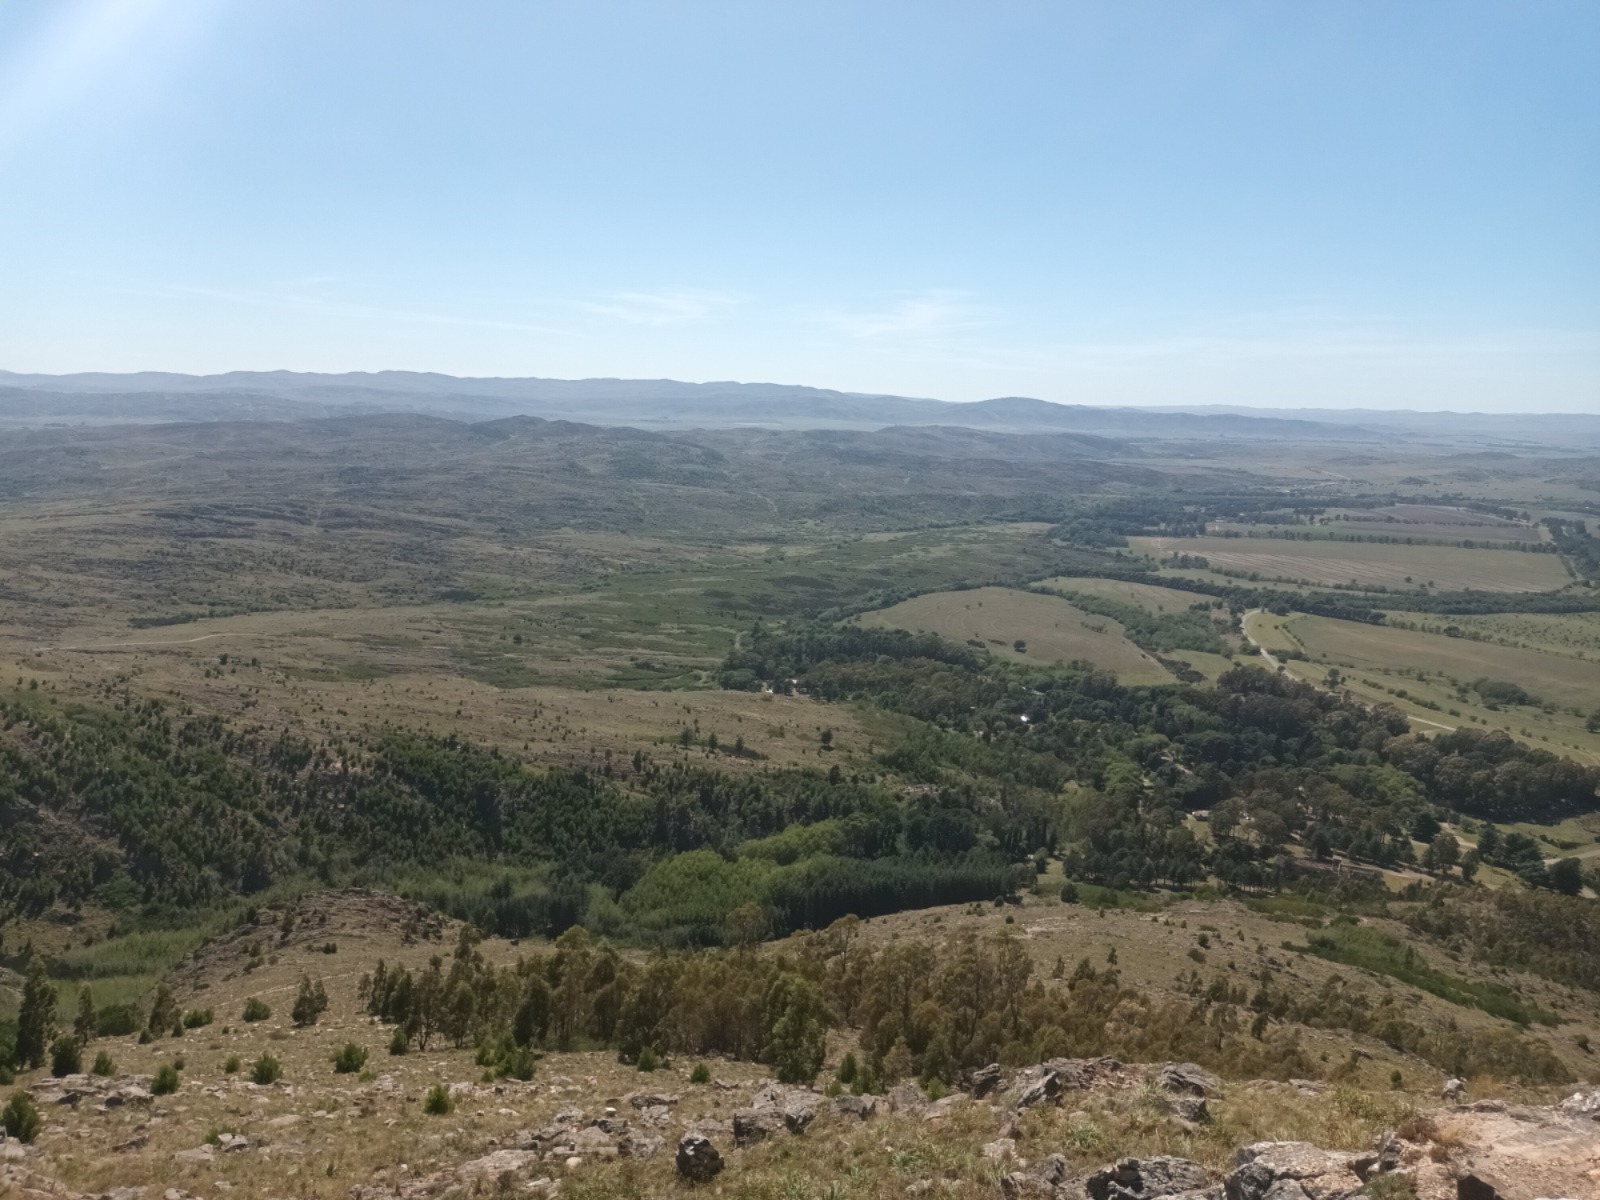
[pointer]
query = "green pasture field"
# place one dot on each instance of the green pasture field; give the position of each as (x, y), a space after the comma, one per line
(1053, 630)
(1368, 564)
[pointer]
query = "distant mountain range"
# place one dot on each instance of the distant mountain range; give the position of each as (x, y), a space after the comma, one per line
(148, 397)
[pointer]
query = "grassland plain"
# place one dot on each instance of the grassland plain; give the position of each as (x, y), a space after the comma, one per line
(1369, 564)
(1049, 629)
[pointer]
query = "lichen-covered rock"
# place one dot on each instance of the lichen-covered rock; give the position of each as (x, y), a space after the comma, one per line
(1045, 1180)
(985, 1080)
(698, 1160)
(800, 1109)
(1582, 1104)
(750, 1125)
(1189, 1079)
(906, 1096)
(652, 1099)
(860, 1107)
(1293, 1171)
(1147, 1178)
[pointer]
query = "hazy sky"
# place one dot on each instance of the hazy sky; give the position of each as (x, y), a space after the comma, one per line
(1384, 204)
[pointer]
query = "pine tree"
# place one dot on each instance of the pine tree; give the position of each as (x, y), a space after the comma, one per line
(36, 1020)
(83, 1028)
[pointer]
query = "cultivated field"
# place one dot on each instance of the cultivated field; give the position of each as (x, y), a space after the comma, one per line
(1053, 630)
(1368, 564)
(1148, 596)
(1566, 681)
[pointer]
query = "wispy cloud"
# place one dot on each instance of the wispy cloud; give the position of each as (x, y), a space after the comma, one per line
(661, 307)
(926, 314)
(298, 297)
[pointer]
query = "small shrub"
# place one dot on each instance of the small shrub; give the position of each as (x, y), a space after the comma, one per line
(145, 1037)
(1069, 893)
(21, 1118)
(103, 1064)
(266, 1070)
(256, 1009)
(350, 1059)
(700, 1074)
(647, 1060)
(399, 1043)
(197, 1018)
(330, 948)
(166, 1080)
(66, 1056)
(438, 1103)
(177, 1062)
(231, 1067)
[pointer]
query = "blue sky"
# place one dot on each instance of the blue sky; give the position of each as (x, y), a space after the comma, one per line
(1329, 204)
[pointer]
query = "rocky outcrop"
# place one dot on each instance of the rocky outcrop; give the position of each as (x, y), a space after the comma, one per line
(773, 1109)
(1044, 1180)
(1295, 1171)
(751, 1125)
(1047, 1082)
(1148, 1178)
(985, 1080)
(1514, 1152)
(698, 1160)
(860, 1107)
(1189, 1079)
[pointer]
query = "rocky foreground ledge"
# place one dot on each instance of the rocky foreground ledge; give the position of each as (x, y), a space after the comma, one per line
(1488, 1150)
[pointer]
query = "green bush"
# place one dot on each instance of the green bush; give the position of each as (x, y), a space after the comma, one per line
(700, 1074)
(66, 1056)
(350, 1059)
(231, 1067)
(21, 1118)
(647, 1060)
(256, 1009)
(399, 1043)
(197, 1018)
(166, 1080)
(118, 1020)
(438, 1102)
(103, 1065)
(266, 1070)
